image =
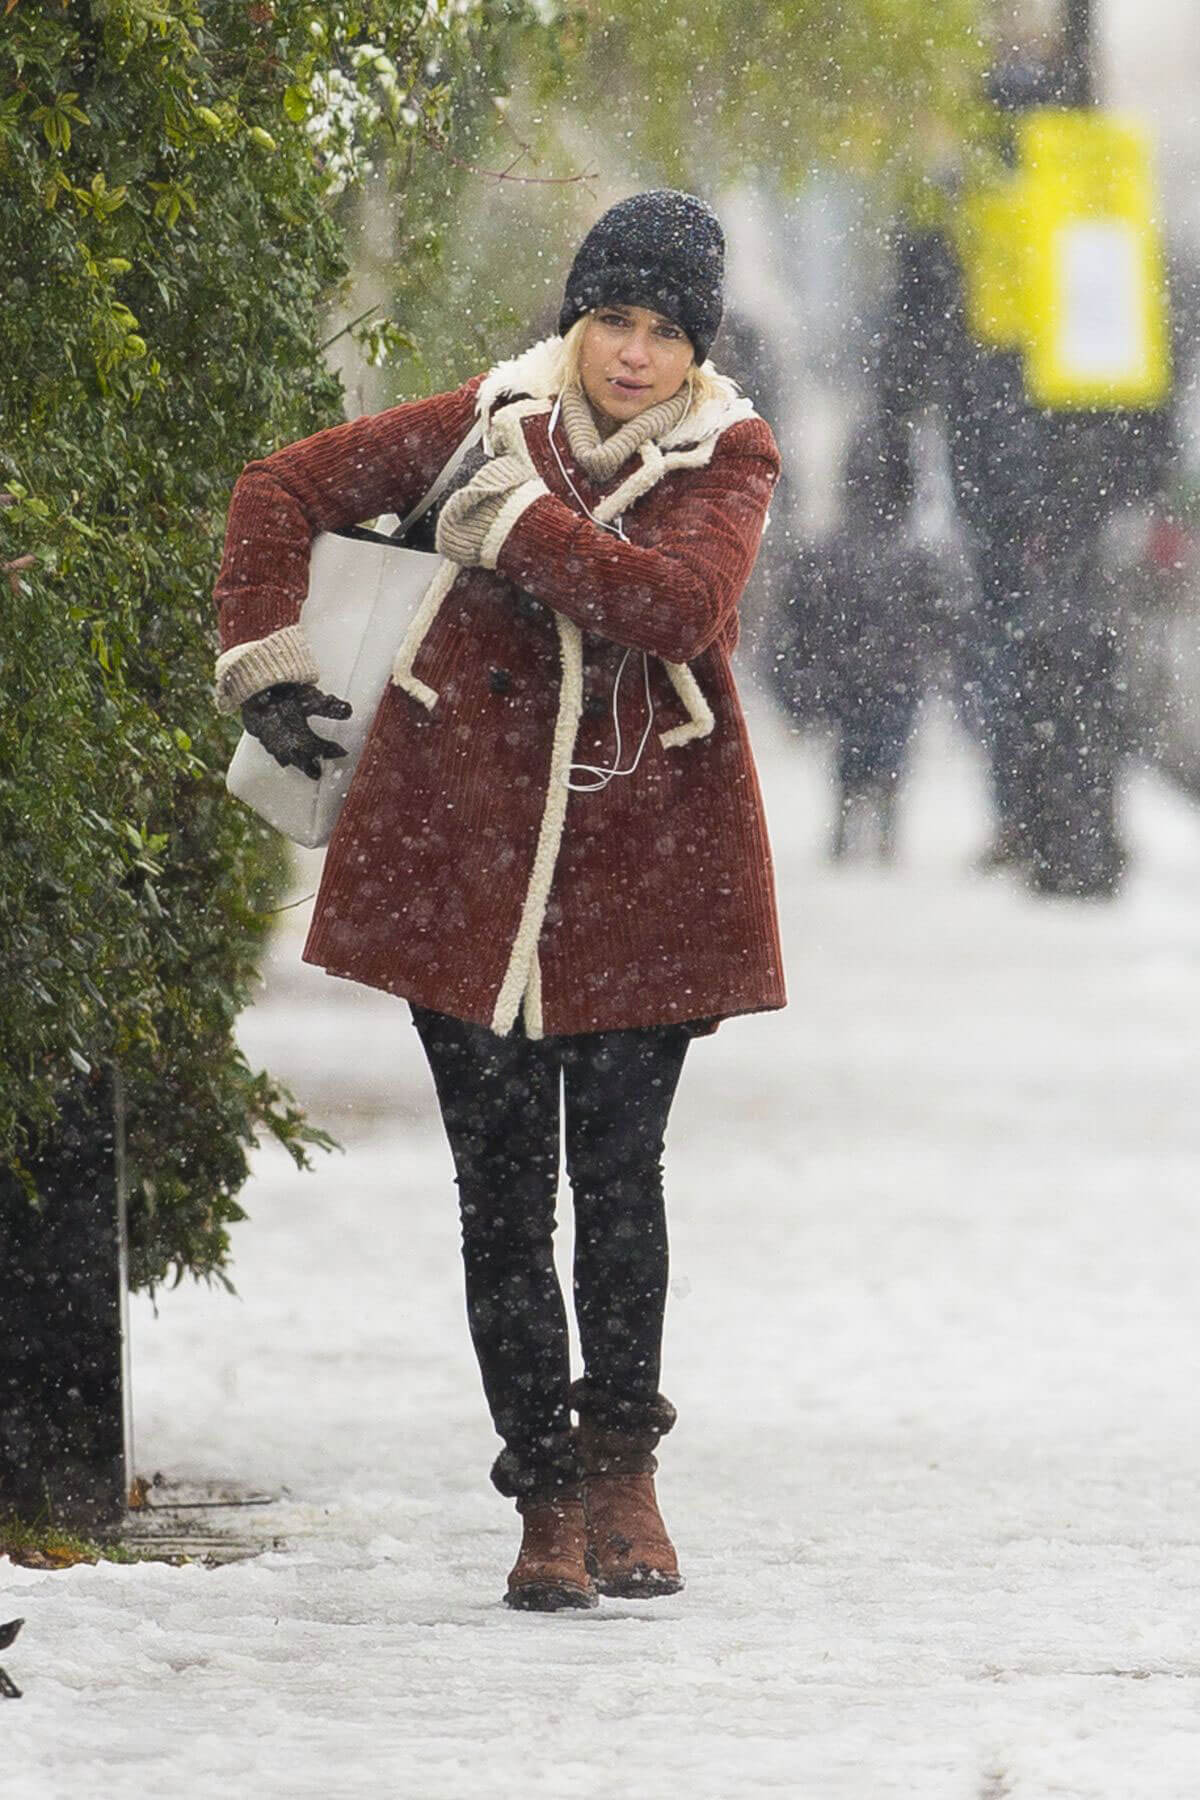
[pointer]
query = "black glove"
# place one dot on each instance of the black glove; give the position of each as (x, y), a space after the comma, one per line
(278, 717)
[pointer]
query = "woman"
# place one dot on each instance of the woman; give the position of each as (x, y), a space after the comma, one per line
(553, 847)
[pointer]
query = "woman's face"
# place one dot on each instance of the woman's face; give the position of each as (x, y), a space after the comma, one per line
(630, 359)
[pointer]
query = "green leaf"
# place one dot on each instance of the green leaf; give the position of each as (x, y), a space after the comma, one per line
(132, 892)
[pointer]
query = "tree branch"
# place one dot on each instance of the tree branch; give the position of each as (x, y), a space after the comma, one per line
(437, 142)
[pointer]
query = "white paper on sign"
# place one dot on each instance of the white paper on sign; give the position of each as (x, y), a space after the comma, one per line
(1102, 315)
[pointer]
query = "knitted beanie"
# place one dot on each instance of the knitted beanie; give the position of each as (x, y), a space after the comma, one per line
(663, 250)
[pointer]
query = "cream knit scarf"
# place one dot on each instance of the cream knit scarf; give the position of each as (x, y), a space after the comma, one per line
(602, 457)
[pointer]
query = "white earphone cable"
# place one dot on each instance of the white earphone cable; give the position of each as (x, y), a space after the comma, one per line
(616, 527)
(600, 777)
(604, 776)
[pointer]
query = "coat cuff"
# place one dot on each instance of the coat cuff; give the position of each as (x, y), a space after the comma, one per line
(518, 502)
(249, 668)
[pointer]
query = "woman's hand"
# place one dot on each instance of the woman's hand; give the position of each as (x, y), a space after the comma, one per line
(278, 717)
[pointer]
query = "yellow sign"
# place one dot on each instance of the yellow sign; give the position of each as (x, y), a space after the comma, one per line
(1063, 261)
(1096, 293)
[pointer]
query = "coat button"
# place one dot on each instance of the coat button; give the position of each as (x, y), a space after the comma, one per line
(500, 681)
(595, 706)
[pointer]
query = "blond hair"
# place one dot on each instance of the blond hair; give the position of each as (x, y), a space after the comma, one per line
(702, 381)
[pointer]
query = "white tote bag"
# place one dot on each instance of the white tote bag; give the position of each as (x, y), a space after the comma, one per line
(362, 594)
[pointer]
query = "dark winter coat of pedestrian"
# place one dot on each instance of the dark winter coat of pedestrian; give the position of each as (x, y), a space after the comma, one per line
(1035, 487)
(554, 845)
(858, 645)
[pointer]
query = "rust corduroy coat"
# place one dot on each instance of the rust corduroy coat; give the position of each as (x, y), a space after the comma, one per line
(464, 874)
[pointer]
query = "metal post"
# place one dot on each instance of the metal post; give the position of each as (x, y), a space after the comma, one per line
(64, 1416)
(1079, 82)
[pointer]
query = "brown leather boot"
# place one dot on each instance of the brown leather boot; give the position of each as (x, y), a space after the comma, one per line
(629, 1551)
(551, 1572)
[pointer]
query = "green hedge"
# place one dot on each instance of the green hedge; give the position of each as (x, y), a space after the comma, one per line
(169, 239)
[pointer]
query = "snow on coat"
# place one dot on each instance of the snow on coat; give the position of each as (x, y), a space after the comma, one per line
(464, 873)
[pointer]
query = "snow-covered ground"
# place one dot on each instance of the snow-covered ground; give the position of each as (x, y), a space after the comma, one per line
(934, 1341)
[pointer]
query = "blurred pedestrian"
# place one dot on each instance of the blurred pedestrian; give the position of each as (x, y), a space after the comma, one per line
(554, 845)
(1035, 488)
(858, 636)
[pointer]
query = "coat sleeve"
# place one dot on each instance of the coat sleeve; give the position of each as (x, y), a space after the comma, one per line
(674, 595)
(380, 463)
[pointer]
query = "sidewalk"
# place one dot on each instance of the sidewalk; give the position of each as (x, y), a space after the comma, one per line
(933, 1339)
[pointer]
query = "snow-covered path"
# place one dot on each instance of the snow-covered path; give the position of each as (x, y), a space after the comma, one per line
(934, 1337)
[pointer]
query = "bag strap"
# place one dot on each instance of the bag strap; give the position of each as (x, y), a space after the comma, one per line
(444, 479)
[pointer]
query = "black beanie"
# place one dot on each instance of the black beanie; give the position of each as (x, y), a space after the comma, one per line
(663, 250)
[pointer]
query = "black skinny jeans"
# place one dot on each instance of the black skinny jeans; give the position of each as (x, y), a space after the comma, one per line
(499, 1100)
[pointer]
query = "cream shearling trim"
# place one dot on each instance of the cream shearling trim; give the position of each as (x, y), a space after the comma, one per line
(532, 1003)
(634, 486)
(524, 951)
(519, 501)
(247, 669)
(701, 721)
(712, 416)
(536, 371)
(700, 716)
(414, 637)
(503, 435)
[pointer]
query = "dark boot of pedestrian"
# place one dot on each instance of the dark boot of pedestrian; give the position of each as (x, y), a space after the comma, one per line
(1008, 849)
(856, 826)
(551, 1572)
(865, 821)
(629, 1549)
